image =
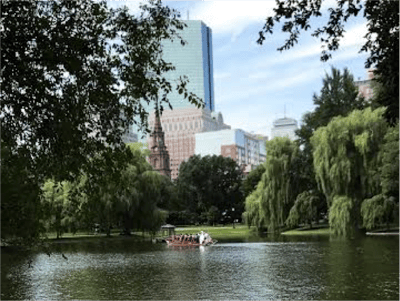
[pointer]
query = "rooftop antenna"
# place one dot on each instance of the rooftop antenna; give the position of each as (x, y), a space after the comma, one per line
(188, 15)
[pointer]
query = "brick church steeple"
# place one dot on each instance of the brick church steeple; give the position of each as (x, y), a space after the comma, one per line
(159, 157)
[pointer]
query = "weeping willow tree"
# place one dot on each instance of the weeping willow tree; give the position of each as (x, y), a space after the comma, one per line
(346, 162)
(379, 210)
(252, 208)
(126, 198)
(384, 208)
(341, 216)
(269, 205)
(57, 206)
(304, 209)
(147, 216)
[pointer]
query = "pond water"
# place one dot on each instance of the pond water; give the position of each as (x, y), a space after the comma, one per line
(282, 268)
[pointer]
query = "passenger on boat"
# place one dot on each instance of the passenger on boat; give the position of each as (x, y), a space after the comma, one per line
(201, 239)
(207, 238)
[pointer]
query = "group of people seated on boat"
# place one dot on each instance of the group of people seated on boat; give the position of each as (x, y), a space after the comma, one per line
(190, 238)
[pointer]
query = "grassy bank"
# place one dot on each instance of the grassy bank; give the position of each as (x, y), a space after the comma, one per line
(220, 233)
(320, 231)
(85, 236)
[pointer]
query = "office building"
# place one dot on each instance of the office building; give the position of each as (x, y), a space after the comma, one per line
(365, 86)
(180, 127)
(194, 60)
(284, 127)
(247, 149)
(129, 135)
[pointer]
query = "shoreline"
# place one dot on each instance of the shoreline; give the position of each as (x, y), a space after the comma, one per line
(220, 233)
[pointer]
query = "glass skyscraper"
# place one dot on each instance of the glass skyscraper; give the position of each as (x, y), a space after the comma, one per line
(195, 60)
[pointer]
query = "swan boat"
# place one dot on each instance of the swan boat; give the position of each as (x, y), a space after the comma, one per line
(201, 239)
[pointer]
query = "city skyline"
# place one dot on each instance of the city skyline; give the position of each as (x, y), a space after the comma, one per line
(253, 83)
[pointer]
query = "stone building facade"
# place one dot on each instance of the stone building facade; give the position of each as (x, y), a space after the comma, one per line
(180, 127)
(365, 86)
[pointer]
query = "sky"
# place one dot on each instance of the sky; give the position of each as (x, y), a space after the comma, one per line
(256, 84)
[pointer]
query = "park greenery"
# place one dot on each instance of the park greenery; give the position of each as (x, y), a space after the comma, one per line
(210, 188)
(131, 201)
(141, 199)
(78, 73)
(354, 154)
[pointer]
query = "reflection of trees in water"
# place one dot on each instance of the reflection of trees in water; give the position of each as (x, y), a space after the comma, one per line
(362, 269)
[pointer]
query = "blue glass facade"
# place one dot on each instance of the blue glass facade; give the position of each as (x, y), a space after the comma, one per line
(195, 60)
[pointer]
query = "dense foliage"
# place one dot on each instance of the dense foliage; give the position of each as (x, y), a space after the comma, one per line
(74, 76)
(346, 157)
(389, 169)
(338, 97)
(210, 187)
(269, 205)
(379, 210)
(342, 216)
(305, 209)
(252, 179)
(128, 202)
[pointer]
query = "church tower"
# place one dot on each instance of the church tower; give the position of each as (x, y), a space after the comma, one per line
(159, 157)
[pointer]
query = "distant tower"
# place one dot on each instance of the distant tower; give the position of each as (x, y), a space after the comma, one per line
(284, 127)
(159, 157)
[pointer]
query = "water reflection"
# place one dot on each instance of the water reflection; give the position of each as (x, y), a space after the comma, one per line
(281, 269)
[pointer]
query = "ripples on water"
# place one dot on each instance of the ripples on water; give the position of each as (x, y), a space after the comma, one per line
(364, 269)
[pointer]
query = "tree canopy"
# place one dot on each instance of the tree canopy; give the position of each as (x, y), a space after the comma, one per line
(252, 179)
(211, 181)
(346, 160)
(338, 97)
(129, 201)
(269, 205)
(74, 74)
(382, 39)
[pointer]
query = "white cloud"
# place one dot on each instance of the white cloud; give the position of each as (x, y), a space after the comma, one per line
(354, 36)
(134, 6)
(232, 17)
(242, 88)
